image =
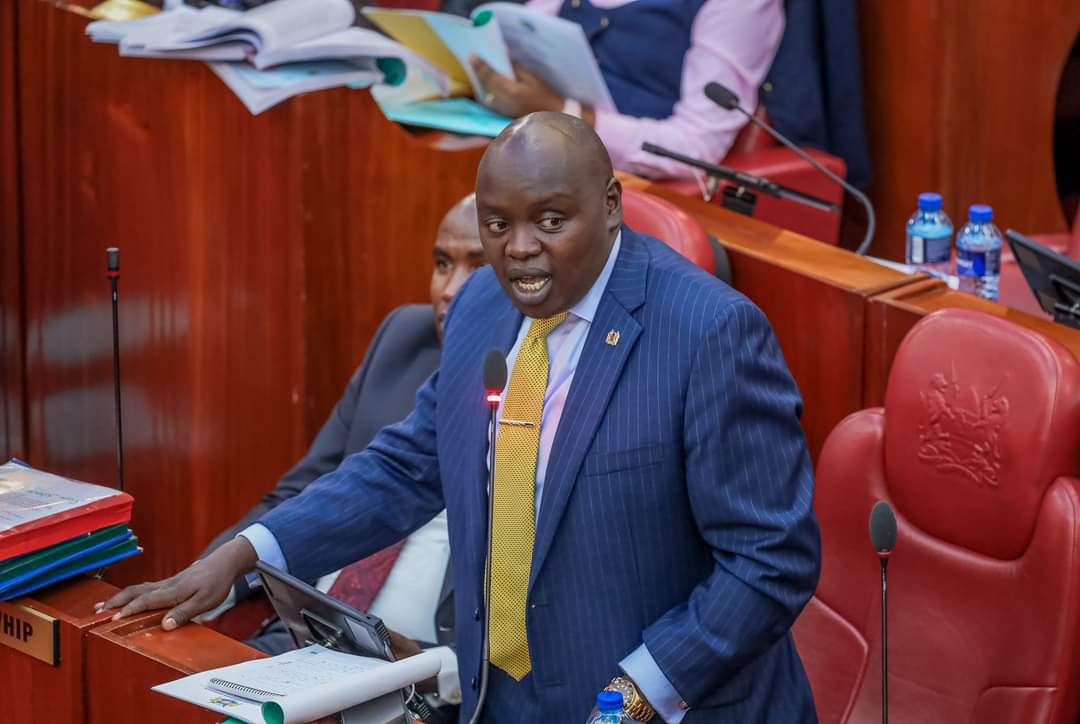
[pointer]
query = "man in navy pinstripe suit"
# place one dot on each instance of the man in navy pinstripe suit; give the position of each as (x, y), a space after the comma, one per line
(675, 542)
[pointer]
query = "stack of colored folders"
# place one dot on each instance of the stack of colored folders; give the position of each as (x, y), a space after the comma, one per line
(53, 528)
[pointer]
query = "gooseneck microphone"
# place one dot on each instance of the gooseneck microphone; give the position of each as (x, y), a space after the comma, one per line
(112, 267)
(883, 538)
(742, 179)
(726, 99)
(494, 382)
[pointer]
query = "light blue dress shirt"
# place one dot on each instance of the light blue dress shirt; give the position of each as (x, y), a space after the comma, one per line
(565, 344)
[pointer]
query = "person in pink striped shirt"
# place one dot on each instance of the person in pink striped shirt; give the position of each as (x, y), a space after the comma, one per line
(657, 56)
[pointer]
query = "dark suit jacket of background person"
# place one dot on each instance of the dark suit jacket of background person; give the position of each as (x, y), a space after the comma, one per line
(813, 92)
(403, 353)
(676, 508)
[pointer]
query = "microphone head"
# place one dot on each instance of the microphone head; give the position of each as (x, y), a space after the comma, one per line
(112, 259)
(722, 96)
(882, 527)
(494, 371)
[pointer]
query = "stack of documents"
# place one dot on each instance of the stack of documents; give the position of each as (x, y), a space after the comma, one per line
(504, 35)
(52, 528)
(306, 684)
(287, 47)
(272, 52)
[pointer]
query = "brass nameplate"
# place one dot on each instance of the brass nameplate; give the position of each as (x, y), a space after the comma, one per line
(31, 632)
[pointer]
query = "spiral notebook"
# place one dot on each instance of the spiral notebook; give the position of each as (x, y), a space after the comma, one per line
(304, 685)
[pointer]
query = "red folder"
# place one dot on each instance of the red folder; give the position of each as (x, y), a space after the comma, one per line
(39, 509)
(65, 525)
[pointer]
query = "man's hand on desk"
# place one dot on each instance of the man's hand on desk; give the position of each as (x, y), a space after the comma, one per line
(194, 590)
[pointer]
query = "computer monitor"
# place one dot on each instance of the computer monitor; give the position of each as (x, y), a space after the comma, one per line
(1054, 278)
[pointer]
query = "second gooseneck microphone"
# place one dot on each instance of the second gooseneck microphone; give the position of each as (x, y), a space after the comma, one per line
(883, 538)
(726, 99)
(112, 270)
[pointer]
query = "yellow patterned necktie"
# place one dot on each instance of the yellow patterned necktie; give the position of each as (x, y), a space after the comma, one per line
(513, 526)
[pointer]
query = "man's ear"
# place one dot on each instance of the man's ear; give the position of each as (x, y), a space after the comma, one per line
(613, 199)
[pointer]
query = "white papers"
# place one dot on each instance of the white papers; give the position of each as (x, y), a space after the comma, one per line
(556, 50)
(299, 686)
(27, 494)
(262, 89)
(465, 39)
(273, 25)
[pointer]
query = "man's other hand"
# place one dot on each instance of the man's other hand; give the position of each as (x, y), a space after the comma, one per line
(514, 98)
(194, 590)
(404, 647)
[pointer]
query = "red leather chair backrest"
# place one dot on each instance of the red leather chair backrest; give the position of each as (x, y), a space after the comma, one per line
(664, 220)
(978, 450)
(751, 137)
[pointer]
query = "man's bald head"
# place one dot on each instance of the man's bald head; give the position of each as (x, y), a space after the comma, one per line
(460, 221)
(555, 130)
(549, 210)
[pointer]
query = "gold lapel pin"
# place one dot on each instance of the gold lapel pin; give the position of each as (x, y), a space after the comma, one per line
(612, 337)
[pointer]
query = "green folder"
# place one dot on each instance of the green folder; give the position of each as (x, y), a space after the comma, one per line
(53, 556)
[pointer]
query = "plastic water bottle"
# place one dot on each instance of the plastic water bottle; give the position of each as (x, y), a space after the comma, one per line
(929, 236)
(609, 709)
(978, 253)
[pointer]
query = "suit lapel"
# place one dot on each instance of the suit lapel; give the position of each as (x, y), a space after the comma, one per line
(598, 371)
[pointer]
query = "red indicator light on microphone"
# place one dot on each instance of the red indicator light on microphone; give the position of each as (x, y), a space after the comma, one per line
(493, 397)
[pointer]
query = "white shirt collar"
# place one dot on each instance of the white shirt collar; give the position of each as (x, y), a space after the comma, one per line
(586, 308)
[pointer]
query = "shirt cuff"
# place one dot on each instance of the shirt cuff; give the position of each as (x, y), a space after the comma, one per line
(653, 683)
(449, 684)
(266, 548)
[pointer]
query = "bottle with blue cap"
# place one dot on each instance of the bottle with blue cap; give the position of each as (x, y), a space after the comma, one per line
(929, 237)
(978, 254)
(609, 709)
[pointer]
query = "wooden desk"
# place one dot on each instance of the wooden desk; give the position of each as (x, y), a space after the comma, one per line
(37, 693)
(126, 658)
(893, 313)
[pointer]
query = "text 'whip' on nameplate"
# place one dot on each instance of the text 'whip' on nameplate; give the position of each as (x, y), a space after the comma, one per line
(31, 632)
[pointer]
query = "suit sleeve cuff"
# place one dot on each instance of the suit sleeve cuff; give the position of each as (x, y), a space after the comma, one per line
(266, 548)
(642, 668)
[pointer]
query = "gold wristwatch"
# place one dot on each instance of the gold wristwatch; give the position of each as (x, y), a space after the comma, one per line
(634, 704)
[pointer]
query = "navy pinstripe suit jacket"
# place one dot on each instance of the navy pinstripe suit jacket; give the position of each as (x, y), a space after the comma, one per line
(676, 509)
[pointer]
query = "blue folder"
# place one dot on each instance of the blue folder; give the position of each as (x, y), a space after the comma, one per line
(459, 115)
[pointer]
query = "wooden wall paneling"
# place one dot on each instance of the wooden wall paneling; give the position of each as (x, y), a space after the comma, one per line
(894, 312)
(1005, 60)
(158, 158)
(960, 99)
(814, 295)
(902, 90)
(12, 393)
(37, 692)
(373, 198)
(259, 254)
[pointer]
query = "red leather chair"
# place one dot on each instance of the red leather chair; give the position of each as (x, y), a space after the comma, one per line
(664, 220)
(978, 451)
(1013, 290)
(755, 151)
